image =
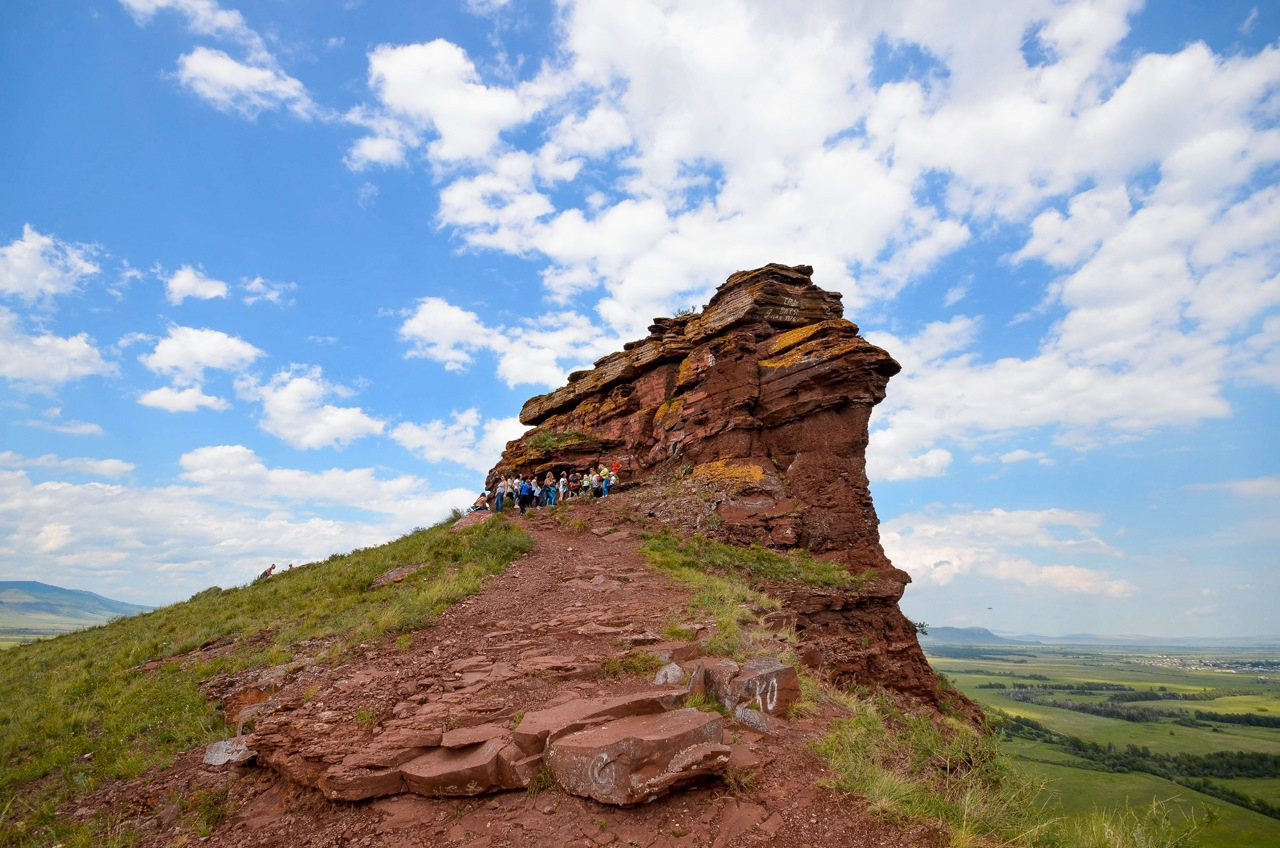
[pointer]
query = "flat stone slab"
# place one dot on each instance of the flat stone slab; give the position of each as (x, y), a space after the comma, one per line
(637, 759)
(538, 728)
(456, 771)
(463, 737)
(229, 752)
(346, 783)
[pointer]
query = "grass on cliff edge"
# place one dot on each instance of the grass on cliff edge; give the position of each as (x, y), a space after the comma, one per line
(82, 694)
(910, 768)
(723, 579)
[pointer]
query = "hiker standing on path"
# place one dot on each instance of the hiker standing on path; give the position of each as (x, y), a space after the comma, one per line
(499, 494)
(526, 495)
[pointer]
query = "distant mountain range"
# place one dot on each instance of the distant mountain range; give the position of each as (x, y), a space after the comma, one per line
(983, 636)
(969, 636)
(30, 608)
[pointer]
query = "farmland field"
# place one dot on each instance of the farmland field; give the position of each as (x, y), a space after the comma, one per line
(1148, 698)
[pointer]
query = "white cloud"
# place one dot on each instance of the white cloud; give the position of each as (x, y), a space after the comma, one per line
(45, 359)
(189, 399)
(246, 87)
(1256, 487)
(185, 352)
(1141, 182)
(259, 289)
(1021, 455)
(463, 440)
(433, 88)
(79, 464)
(529, 353)
(67, 428)
(294, 411)
(230, 516)
(940, 548)
(191, 282)
(38, 266)
(233, 86)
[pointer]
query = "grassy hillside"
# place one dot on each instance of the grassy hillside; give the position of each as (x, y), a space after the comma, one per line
(86, 693)
(1079, 785)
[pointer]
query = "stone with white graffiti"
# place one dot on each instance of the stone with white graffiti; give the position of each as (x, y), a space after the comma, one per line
(635, 760)
(767, 685)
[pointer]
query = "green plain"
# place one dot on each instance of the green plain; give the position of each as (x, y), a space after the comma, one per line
(1080, 789)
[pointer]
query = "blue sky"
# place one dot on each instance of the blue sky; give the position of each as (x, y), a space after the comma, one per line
(276, 277)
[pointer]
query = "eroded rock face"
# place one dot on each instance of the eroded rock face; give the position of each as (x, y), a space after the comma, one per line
(748, 422)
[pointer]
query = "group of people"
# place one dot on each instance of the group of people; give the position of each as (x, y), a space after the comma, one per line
(529, 493)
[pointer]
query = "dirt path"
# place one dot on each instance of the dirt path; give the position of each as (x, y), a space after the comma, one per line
(538, 634)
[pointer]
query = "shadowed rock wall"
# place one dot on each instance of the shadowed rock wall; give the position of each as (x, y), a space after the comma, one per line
(748, 422)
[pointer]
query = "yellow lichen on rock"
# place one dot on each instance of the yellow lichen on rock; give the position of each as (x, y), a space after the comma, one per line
(726, 476)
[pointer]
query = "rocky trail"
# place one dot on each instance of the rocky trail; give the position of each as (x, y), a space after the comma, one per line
(343, 753)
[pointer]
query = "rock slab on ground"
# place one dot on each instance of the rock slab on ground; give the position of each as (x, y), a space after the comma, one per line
(638, 759)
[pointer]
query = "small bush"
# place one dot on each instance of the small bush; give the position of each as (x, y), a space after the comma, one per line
(699, 701)
(1157, 826)
(541, 781)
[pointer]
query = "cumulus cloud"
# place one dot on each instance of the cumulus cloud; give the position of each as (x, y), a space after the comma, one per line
(531, 352)
(259, 289)
(293, 409)
(43, 359)
(938, 548)
(191, 282)
(229, 516)
(636, 168)
(185, 352)
(37, 266)
(233, 86)
(247, 87)
(190, 399)
(182, 356)
(464, 439)
(433, 88)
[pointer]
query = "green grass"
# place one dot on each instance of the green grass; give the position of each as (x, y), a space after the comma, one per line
(83, 693)
(910, 769)
(726, 582)
(1081, 790)
(1266, 788)
(755, 564)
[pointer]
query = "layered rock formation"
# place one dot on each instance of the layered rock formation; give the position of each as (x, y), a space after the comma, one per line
(748, 421)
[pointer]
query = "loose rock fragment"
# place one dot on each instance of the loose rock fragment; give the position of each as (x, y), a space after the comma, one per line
(637, 759)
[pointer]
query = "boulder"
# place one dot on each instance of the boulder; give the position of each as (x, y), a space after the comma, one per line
(637, 759)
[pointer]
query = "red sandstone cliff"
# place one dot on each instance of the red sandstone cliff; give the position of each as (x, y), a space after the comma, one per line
(747, 422)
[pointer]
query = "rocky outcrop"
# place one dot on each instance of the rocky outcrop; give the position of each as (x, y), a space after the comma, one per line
(748, 422)
(622, 750)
